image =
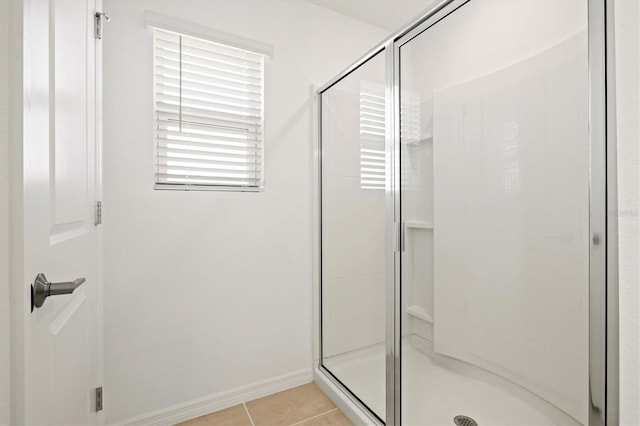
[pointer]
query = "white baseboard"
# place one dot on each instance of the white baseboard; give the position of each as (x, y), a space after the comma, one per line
(209, 404)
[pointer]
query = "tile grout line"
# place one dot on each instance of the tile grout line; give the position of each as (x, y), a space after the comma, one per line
(248, 414)
(313, 417)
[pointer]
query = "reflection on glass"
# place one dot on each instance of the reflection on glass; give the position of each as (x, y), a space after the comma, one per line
(494, 201)
(353, 233)
(372, 135)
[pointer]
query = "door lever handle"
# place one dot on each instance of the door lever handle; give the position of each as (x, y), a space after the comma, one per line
(41, 289)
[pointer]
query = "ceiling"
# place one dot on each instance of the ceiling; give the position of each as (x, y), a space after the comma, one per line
(386, 14)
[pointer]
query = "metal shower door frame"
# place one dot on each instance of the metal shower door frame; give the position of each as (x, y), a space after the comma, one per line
(603, 263)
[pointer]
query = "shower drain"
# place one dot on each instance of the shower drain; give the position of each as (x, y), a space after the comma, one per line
(464, 421)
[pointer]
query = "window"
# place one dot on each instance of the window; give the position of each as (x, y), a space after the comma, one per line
(209, 114)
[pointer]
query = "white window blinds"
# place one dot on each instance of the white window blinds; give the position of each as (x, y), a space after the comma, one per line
(209, 114)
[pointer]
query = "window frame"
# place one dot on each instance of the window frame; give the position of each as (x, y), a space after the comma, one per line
(158, 22)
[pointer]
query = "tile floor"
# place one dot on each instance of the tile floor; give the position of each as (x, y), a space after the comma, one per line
(304, 405)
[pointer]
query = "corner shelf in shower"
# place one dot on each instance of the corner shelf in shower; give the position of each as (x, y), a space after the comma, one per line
(414, 142)
(419, 312)
(418, 225)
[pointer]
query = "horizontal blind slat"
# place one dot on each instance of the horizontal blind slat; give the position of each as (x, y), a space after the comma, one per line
(219, 63)
(195, 154)
(170, 120)
(208, 113)
(171, 59)
(166, 177)
(208, 171)
(188, 107)
(206, 79)
(221, 81)
(171, 132)
(230, 97)
(206, 153)
(205, 139)
(180, 157)
(194, 68)
(173, 98)
(205, 117)
(209, 148)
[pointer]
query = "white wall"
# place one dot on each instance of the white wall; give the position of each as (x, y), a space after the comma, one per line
(4, 213)
(628, 114)
(209, 291)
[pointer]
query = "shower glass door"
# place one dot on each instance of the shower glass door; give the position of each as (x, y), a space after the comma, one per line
(494, 200)
(353, 233)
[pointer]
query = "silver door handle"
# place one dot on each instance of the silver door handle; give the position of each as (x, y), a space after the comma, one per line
(41, 289)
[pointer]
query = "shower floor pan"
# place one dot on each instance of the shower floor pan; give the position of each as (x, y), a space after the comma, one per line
(434, 394)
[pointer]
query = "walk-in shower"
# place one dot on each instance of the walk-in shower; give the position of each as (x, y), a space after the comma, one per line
(463, 234)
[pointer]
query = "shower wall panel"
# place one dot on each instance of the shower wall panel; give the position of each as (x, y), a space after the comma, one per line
(496, 181)
(511, 202)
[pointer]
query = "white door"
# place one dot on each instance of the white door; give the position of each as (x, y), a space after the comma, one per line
(62, 337)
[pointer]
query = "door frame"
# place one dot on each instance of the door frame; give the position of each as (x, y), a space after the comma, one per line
(603, 250)
(19, 288)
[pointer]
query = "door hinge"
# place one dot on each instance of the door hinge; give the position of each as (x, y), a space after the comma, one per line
(98, 396)
(98, 220)
(98, 23)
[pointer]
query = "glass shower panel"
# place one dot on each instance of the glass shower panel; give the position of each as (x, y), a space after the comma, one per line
(495, 211)
(353, 233)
